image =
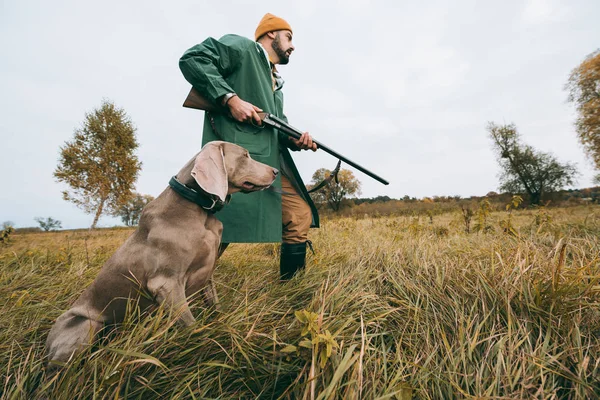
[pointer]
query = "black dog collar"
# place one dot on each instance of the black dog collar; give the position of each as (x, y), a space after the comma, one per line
(205, 200)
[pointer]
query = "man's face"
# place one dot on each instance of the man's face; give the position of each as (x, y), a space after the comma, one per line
(282, 46)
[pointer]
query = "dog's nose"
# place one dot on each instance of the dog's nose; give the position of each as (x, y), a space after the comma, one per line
(275, 172)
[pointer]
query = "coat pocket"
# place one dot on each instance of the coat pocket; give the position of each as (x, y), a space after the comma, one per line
(257, 140)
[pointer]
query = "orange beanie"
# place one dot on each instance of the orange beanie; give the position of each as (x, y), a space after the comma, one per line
(270, 23)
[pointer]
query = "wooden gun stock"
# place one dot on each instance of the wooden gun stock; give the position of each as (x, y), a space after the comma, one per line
(197, 101)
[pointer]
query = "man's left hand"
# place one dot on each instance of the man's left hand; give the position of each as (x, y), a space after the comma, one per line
(305, 142)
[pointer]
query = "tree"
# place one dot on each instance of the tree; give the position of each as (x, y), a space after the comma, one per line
(584, 90)
(7, 224)
(99, 164)
(131, 211)
(333, 193)
(526, 170)
(48, 224)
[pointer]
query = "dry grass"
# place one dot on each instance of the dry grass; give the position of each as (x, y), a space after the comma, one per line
(413, 309)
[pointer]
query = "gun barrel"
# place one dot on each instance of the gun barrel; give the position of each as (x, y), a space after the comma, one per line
(284, 127)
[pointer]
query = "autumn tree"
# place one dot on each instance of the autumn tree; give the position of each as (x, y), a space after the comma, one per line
(99, 164)
(526, 170)
(131, 211)
(334, 192)
(584, 91)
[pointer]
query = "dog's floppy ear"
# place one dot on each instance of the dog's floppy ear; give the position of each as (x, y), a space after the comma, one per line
(209, 170)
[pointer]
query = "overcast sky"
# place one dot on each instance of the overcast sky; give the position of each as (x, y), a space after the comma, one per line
(404, 88)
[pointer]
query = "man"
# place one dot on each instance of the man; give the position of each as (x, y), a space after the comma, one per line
(241, 76)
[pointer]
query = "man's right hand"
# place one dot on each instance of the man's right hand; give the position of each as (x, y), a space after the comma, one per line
(242, 111)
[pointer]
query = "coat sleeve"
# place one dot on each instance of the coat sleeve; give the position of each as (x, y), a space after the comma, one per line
(207, 64)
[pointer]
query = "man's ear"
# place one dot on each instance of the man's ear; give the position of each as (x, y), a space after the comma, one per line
(209, 170)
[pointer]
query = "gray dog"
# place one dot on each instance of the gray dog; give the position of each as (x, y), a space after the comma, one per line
(171, 255)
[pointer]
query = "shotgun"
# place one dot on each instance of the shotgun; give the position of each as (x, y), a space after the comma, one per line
(197, 101)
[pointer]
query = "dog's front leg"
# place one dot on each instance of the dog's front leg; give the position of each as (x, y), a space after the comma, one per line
(172, 293)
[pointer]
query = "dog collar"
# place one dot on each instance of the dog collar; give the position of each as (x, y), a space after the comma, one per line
(205, 200)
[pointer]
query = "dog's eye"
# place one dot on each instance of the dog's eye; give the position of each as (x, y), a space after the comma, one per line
(247, 155)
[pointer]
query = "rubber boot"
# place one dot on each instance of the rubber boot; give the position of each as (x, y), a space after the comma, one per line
(293, 259)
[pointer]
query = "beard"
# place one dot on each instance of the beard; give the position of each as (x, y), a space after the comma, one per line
(283, 55)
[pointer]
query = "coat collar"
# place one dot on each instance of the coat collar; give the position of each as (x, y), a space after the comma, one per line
(273, 72)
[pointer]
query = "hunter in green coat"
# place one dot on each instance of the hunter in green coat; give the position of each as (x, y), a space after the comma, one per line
(240, 74)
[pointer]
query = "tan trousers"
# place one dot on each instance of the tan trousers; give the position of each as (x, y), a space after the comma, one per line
(296, 215)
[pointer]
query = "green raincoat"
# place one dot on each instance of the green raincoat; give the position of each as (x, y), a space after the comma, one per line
(239, 65)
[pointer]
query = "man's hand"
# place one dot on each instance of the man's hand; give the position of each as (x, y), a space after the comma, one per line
(242, 111)
(305, 142)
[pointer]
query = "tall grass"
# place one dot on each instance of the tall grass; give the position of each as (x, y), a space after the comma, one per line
(411, 308)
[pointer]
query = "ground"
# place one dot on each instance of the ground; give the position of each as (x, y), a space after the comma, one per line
(389, 307)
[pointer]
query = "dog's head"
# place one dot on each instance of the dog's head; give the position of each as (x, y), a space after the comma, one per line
(223, 168)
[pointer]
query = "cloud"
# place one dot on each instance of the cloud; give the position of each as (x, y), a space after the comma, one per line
(542, 11)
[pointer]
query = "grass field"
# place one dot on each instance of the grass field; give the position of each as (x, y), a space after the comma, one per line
(398, 307)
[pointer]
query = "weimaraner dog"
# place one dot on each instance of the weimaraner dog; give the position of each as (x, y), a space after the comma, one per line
(171, 255)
